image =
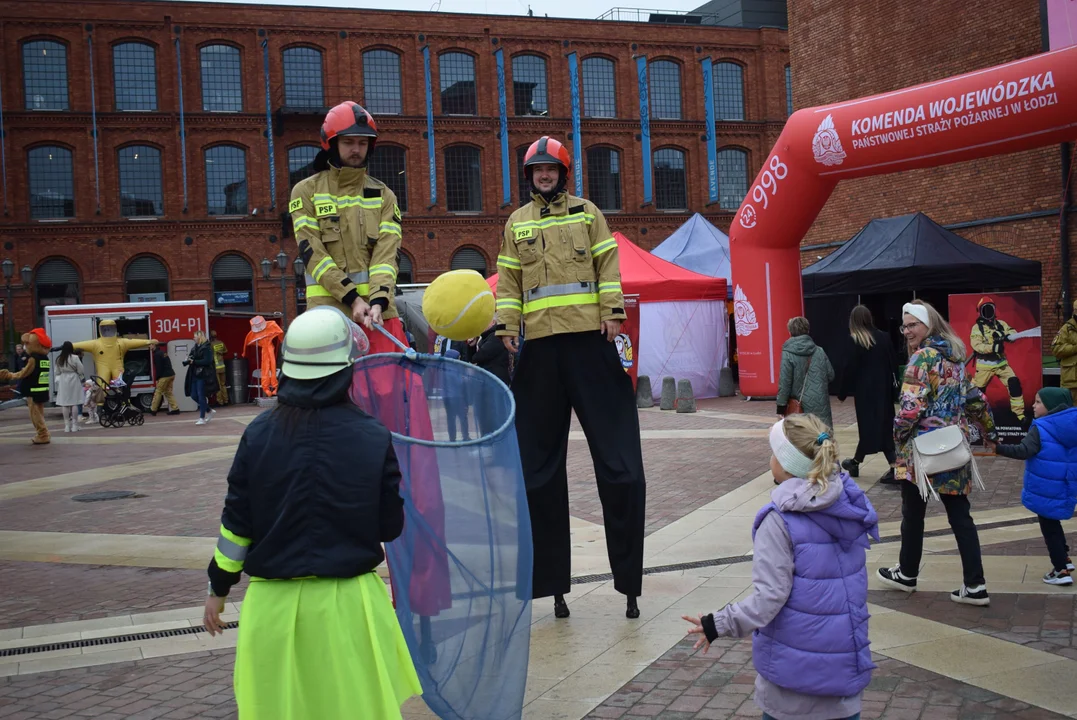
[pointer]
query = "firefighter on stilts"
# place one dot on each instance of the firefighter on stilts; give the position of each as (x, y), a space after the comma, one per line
(559, 278)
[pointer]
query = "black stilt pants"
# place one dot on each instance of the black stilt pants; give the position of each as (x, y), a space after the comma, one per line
(582, 372)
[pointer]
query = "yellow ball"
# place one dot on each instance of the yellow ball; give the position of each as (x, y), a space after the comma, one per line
(459, 305)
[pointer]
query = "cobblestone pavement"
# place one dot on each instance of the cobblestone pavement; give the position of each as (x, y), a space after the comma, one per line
(196, 685)
(1041, 622)
(686, 685)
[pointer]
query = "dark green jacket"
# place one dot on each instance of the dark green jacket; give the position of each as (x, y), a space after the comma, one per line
(812, 391)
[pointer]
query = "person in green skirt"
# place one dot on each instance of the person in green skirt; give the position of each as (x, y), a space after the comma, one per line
(312, 493)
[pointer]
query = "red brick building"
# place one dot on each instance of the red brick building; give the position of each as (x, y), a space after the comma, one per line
(1011, 203)
(153, 175)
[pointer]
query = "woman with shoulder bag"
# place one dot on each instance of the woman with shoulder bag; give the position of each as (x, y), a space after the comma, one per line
(69, 375)
(201, 380)
(931, 432)
(804, 366)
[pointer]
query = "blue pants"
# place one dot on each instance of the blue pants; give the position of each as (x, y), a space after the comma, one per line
(198, 393)
(853, 717)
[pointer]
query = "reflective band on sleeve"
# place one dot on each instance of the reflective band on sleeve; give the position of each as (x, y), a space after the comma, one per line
(390, 227)
(603, 247)
(316, 290)
(510, 263)
(609, 287)
(321, 268)
(561, 301)
(566, 289)
(383, 270)
(510, 304)
(231, 551)
(304, 221)
(359, 277)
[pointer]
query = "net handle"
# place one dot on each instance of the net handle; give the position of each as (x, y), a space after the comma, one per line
(407, 350)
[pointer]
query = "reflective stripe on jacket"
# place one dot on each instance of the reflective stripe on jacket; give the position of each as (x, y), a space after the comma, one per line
(558, 270)
(347, 226)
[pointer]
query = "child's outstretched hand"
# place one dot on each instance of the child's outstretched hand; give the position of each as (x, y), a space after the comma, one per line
(697, 629)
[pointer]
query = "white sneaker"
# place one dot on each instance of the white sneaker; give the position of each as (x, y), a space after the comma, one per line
(201, 421)
(211, 414)
(75, 427)
(67, 427)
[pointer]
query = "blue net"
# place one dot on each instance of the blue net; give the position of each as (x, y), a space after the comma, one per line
(461, 570)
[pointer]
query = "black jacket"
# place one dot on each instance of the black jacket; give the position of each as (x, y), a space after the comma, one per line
(162, 365)
(492, 356)
(314, 487)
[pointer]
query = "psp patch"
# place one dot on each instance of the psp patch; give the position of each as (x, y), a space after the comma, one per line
(296, 204)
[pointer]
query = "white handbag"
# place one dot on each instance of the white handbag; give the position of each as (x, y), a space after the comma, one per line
(939, 451)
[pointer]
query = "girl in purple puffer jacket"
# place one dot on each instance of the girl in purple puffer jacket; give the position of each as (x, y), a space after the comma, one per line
(808, 614)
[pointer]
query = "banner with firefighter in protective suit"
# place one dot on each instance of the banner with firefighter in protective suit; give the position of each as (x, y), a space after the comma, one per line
(1004, 354)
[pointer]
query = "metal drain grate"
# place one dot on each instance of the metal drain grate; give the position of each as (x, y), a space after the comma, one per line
(103, 495)
(113, 640)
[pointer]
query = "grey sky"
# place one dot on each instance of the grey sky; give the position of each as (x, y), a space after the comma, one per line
(554, 8)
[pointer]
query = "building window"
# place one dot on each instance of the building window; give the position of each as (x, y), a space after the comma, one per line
(523, 182)
(670, 180)
(56, 282)
(134, 66)
(146, 280)
(52, 183)
(233, 283)
(604, 178)
(732, 178)
(468, 259)
(529, 85)
(381, 82)
(788, 91)
(140, 181)
(222, 88)
(405, 269)
(226, 180)
(301, 163)
(390, 165)
(463, 179)
(599, 88)
(303, 79)
(44, 75)
(729, 90)
(457, 84)
(665, 83)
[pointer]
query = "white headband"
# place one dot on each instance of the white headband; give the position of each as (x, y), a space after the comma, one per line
(919, 312)
(792, 460)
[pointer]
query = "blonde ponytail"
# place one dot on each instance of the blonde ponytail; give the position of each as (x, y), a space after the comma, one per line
(813, 439)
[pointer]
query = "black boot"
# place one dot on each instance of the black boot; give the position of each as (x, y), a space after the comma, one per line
(889, 478)
(560, 607)
(851, 466)
(632, 612)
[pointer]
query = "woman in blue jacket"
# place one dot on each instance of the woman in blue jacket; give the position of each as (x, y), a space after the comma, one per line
(1050, 491)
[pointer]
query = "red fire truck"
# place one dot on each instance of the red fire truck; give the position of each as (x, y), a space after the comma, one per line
(173, 324)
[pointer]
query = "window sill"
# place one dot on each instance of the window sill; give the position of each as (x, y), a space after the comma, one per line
(54, 220)
(142, 218)
(48, 109)
(672, 211)
(227, 217)
(466, 212)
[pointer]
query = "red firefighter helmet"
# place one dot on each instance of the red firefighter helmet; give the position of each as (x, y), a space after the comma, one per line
(985, 300)
(547, 150)
(348, 118)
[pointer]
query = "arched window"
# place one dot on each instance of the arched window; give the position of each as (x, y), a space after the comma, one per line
(405, 273)
(56, 282)
(670, 179)
(233, 283)
(732, 178)
(226, 180)
(599, 88)
(463, 179)
(467, 258)
(134, 67)
(788, 91)
(303, 89)
(529, 85)
(222, 84)
(604, 178)
(665, 82)
(729, 91)
(458, 96)
(301, 163)
(44, 75)
(523, 182)
(52, 183)
(389, 163)
(141, 194)
(146, 280)
(381, 82)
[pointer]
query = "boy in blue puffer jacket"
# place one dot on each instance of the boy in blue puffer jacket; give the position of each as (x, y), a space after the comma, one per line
(1050, 491)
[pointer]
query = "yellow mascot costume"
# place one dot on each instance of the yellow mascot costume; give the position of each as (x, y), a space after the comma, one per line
(108, 350)
(34, 380)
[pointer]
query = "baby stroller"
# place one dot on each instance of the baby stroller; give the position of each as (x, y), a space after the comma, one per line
(117, 408)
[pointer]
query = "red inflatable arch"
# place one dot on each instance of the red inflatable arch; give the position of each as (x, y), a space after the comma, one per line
(1021, 105)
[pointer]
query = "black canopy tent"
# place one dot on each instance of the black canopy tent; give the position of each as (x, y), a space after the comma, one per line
(893, 260)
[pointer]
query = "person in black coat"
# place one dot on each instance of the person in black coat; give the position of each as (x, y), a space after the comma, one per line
(869, 376)
(490, 354)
